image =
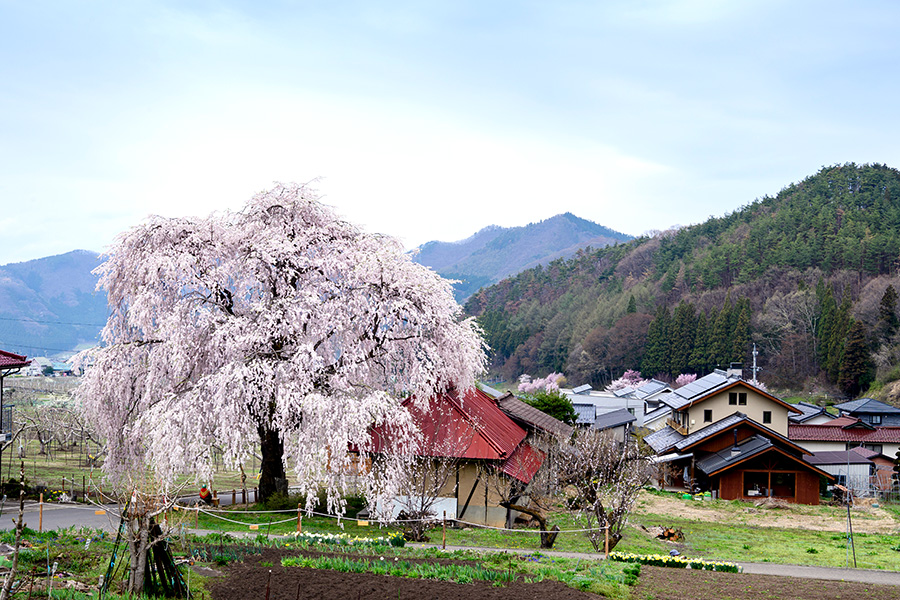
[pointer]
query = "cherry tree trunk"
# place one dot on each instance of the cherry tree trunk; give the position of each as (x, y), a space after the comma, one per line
(138, 545)
(548, 537)
(272, 478)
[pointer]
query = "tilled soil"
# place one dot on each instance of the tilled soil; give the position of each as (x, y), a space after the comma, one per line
(248, 579)
(659, 583)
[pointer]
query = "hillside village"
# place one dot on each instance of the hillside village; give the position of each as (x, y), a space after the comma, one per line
(479, 454)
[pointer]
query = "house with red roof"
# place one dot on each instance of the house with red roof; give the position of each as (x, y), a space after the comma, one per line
(846, 433)
(471, 428)
(10, 364)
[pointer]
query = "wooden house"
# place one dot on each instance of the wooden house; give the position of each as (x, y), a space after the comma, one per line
(730, 437)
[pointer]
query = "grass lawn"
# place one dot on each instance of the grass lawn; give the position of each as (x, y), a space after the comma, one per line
(731, 541)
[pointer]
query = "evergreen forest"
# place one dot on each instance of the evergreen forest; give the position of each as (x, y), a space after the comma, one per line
(810, 276)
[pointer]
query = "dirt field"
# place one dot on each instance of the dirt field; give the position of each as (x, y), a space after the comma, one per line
(657, 583)
(249, 579)
(866, 519)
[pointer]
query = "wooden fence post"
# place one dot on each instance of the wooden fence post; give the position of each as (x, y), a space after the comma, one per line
(41, 514)
(299, 519)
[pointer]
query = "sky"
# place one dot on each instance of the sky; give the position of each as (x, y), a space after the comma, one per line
(429, 120)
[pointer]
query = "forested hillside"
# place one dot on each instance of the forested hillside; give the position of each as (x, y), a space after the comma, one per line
(810, 275)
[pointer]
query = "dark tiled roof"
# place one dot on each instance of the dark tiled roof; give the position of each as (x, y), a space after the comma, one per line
(520, 411)
(747, 448)
(867, 406)
(712, 429)
(808, 412)
(663, 440)
(655, 414)
(841, 457)
(613, 418)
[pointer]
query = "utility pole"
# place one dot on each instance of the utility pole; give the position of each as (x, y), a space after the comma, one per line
(755, 368)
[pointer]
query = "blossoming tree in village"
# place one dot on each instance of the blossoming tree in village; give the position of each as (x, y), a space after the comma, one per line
(280, 327)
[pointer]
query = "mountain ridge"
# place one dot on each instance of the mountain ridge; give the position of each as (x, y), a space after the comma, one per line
(495, 252)
(49, 305)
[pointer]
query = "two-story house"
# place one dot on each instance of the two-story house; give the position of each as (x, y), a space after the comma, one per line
(873, 412)
(730, 437)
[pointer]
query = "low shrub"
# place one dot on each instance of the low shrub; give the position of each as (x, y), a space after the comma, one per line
(395, 539)
(677, 562)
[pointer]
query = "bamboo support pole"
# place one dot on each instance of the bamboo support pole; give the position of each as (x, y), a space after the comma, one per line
(41, 514)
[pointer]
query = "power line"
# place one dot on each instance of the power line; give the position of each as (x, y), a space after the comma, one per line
(51, 322)
(16, 346)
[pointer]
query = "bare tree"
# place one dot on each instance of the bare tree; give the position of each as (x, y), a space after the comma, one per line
(144, 535)
(6, 591)
(602, 478)
(533, 486)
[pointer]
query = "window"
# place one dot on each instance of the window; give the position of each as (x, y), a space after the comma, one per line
(707, 416)
(875, 419)
(732, 398)
(873, 447)
(742, 399)
(784, 485)
(767, 416)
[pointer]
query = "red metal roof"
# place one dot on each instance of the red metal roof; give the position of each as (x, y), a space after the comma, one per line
(467, 426)
(523, 463)
(8, 360)
(827, 432)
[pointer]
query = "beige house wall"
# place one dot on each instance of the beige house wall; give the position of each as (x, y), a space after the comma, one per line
(756, 405)
(888, 449)
(484, 507)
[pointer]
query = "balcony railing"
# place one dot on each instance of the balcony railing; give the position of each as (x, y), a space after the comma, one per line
(679, 428)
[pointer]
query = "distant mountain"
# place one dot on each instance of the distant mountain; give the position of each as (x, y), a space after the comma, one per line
(48, 306)
(497, 252)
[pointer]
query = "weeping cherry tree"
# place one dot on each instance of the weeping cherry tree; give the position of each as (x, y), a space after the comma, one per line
(280, 327)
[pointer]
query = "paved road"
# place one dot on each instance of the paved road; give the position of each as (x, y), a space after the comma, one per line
(60, 516)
